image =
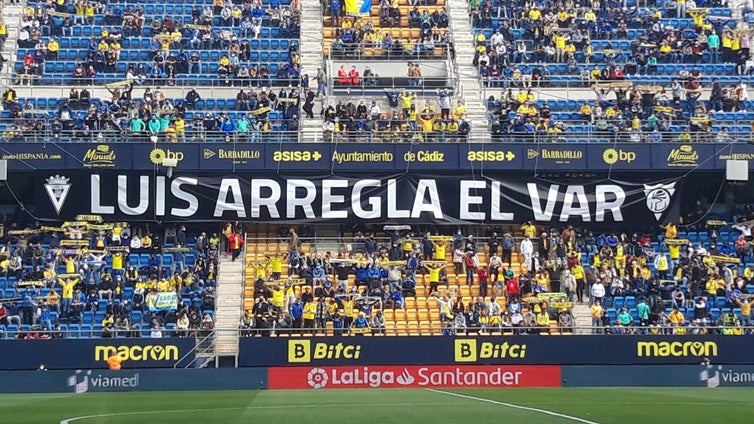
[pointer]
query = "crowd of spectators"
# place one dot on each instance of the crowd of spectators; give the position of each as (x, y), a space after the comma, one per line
(90, 279)
(522, 46)
(443, 120)
(357, 37)
(644, 282)
(175, 42)
(635, 112)
(256, 114)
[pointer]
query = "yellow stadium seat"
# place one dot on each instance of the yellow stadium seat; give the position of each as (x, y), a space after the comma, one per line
(423, 315)
(425, 328)
(421, 291)
(389, 315)
(465, 290)
(410, 302)
(421, 303)
(411, 315)
(413, 327)
(400, 315)
(436, 328)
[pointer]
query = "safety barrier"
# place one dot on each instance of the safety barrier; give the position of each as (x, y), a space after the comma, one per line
(71, 354)
(143, 380)
(369, 376)
(494, 350)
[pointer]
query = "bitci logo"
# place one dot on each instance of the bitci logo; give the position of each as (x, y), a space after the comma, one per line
(317, 378)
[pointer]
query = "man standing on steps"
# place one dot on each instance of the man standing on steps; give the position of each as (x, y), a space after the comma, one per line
(321, 83)
(309, 104)
(235, 241)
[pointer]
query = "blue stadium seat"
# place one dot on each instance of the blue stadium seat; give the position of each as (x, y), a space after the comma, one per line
(618, 302)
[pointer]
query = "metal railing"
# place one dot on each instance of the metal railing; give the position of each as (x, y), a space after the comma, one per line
(376, 85)
(205, 348)
(417, 137)
(448, 328)
(179, 80)
(205, 344)
(365, 51)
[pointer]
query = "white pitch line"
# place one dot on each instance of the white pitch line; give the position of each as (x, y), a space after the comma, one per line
(510, 405)
(242, 408)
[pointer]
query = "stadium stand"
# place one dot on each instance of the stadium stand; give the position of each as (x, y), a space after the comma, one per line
(159, 44)
(656, 62)
(92, 280)
(392, 74)
(696, 281)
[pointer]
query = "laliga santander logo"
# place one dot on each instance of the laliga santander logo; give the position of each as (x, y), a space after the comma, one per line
(346, 377)
(318, 378)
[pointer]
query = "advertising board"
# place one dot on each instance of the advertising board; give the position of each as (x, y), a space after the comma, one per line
(377, 157)
(413, 376)
(91, 354)
(132, 380)
(491, 350)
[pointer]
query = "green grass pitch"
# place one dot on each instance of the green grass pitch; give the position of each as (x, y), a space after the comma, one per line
(381, 406)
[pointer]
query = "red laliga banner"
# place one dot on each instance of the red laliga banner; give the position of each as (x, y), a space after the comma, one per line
(437, 376)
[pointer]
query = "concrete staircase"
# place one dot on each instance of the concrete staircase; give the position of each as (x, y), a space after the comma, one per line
(12, 16)
(311, 59)
(469, 88)
(228, 305)
(582, 317)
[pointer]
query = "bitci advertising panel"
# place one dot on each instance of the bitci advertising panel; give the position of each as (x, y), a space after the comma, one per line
(435, 376)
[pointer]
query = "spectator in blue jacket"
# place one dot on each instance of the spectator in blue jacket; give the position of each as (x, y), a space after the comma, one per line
(297, 313)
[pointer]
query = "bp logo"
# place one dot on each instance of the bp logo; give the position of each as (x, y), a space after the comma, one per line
(317, 378)
(612, 156)
(157, 156)
(659, 197)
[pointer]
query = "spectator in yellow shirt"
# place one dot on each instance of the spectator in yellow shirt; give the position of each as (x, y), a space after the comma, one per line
(529, 229)
(53, 49)
(596, 311)
(676, 318)
(276, 265)
(535, 14)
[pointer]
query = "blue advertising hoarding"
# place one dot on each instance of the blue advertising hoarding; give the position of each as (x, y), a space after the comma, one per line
(132, 380)
(489, 350)
(72, 354)
(382, 157)
(711, 376)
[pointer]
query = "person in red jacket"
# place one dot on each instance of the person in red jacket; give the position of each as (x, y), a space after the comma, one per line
(343, 76)
(353, 76)
(235, 241)
(512, 289)
(483, 276)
